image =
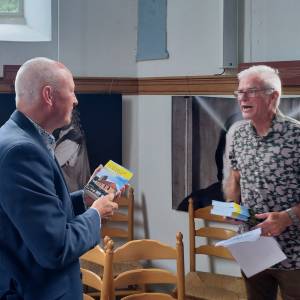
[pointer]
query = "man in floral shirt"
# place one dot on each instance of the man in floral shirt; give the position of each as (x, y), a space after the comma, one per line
(265, 176)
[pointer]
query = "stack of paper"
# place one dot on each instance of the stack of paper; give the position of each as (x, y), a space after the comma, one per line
(230, 209)
(253, 252)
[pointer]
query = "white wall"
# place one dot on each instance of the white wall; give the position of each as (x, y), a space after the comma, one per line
(271, 30)
(98, 38)
(194, 40)
(195, 46)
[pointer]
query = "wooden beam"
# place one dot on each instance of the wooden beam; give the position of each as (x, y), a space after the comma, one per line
(172, 85)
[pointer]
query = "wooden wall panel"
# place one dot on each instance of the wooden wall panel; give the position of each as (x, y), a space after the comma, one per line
(289, 71)
(173, 85)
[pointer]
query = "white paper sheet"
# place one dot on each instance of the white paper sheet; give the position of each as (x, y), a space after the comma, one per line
(253, 252)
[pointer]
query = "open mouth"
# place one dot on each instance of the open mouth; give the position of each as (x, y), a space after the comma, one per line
(246, 107)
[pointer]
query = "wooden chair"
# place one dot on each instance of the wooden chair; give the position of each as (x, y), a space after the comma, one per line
(147, 250)
(205, 285)
(120, 228)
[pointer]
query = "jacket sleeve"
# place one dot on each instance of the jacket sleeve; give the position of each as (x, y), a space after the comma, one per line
(78, 202)
(28, 189)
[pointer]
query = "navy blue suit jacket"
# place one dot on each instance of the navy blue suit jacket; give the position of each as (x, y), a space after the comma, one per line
(43, 228)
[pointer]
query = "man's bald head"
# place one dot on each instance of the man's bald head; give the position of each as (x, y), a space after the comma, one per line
(33, 75)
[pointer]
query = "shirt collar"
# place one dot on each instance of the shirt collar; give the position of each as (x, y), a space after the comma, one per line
(276, 124)
(48, 138)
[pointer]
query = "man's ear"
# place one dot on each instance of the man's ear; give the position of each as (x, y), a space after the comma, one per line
(47, 94)
(274, 97)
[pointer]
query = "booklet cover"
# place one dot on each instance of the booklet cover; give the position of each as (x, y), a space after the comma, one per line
(253, 252)
(233, 210)
(110, 179)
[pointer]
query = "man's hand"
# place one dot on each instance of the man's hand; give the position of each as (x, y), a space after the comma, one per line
(274, 223)
(105, 206)
(87, 199)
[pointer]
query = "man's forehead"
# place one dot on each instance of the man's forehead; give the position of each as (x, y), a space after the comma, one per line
(252, 81)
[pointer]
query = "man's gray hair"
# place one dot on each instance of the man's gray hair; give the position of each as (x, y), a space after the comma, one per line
(267, 75)
(33, 75)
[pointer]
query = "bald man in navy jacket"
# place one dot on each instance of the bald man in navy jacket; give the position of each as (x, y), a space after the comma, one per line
(43, 229)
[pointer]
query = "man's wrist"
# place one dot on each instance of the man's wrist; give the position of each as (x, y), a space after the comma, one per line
(293, 216)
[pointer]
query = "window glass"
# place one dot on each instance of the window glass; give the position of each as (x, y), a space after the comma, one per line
(11, 7)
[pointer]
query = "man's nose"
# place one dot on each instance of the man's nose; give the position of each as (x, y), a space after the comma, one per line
(75, 102)
(243, 97)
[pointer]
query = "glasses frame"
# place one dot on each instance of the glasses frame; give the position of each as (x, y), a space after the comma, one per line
(250, 93)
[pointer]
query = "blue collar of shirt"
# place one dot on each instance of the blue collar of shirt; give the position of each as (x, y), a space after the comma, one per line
(48, 138)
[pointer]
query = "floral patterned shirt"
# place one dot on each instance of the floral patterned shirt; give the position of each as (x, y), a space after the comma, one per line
(269, 169)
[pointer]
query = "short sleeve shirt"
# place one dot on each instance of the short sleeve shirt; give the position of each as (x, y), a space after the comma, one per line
(269, 168)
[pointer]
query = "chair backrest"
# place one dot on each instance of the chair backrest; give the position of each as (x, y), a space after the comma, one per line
(209, 232)
(90, 279)
(137, 250)
(121, 224)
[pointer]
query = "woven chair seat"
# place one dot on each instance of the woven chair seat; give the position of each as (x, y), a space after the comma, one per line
(117, 268)
(202, 285)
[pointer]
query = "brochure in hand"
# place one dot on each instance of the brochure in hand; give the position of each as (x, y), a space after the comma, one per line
(233, 210)
(110, 179)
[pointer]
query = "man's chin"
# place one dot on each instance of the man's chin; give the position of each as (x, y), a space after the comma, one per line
(67, 123)
(246, 116)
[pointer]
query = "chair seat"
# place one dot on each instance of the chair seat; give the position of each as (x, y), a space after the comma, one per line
(208, 286)
(117, 267)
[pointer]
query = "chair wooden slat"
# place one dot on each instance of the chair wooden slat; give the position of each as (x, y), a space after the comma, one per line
(214, 251)
(215, 233)
(152, 296)
(144, 249)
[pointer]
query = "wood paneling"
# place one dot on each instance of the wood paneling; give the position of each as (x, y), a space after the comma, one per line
(188, 85)
(125, 86)
(173, 85)
(289, 71)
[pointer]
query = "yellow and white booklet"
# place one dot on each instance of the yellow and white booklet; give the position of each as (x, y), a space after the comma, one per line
(109, 179)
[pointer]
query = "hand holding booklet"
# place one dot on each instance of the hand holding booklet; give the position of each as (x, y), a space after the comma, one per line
(109, 179)
(234, 211)
(253, 252)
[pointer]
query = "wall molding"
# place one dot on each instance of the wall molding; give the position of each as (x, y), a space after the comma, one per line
(172, 85)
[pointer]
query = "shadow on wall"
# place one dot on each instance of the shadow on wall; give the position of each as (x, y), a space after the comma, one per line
(141, 221)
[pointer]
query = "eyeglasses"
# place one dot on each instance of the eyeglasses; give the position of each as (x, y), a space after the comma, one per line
(251, 93)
